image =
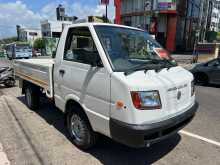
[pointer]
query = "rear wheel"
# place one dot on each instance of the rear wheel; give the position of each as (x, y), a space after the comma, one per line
(80, 130)
(32, 96)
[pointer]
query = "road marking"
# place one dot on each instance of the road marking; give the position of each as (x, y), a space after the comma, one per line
(200, 138)
(3, 157)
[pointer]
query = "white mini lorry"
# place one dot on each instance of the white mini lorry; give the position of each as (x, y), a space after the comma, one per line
(110, 79)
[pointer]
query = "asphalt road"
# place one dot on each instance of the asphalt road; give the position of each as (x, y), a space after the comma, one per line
(40, 137)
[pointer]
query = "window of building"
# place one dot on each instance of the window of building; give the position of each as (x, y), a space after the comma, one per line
(33, 33)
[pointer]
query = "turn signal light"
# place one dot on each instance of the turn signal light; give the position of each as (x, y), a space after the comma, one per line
(119, 104)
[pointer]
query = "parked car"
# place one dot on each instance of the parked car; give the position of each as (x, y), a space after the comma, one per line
(113, 80)
(208, 72)
(7, 76)
(36, 53)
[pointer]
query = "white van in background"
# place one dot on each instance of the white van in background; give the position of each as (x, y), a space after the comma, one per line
(18, 51)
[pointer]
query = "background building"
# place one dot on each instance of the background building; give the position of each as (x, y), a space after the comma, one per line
(61, 15)
(188, 23)
(155, 16)
(177, 24)
(28, 34)
(53, 28)
(215, 16)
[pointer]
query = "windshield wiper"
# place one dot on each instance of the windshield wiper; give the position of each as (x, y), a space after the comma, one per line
(165, 62)
(153, 64)
(144, 67)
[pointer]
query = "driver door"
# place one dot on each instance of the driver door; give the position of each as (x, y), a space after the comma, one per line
(76, 79)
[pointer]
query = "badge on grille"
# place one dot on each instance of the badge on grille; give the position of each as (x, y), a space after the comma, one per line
(179, 94)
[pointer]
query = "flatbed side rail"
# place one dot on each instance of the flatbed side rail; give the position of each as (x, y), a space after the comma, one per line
(40, 75)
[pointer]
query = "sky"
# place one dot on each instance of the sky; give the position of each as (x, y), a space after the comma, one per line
(29, 13)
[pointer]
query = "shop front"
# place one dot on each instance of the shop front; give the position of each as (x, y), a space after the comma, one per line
(158, 17)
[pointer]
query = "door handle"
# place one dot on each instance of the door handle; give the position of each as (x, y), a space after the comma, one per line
(62, 72)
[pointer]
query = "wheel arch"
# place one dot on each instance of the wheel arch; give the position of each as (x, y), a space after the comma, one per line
(26, 84)
(79, 108)
(200, 73)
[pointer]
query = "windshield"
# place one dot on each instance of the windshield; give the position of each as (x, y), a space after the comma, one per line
(131, 49)
(21, 48)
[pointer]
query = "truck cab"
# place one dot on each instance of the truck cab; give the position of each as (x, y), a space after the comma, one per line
(117, 81)
(116, 75)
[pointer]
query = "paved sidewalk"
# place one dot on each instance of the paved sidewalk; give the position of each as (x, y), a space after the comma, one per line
(184, 60)
(181, 58)
(3, 157)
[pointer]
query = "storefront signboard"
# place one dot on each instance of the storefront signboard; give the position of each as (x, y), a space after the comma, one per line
(166, 4)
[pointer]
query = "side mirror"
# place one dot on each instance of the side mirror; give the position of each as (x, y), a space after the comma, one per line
(95, 60)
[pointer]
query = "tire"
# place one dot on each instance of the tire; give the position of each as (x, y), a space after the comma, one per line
(80, 130)
(32, 97)
(9, 82)
(201, 78)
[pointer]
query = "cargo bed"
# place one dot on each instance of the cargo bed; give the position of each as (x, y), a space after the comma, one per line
(37, 71)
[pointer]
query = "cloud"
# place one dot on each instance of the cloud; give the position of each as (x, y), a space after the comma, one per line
(82, 10)
(12, 14)
(17, 13)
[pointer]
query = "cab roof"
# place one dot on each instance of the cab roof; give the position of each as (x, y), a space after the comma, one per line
(102, 24)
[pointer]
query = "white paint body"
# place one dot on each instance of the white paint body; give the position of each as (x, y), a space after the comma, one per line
(98, 89)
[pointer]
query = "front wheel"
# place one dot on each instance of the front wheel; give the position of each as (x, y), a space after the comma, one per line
(80, 130)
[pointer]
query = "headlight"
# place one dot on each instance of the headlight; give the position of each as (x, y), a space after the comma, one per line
(192, 88)
(148, 100)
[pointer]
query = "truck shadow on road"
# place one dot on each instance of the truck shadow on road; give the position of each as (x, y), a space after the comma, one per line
(107, 151)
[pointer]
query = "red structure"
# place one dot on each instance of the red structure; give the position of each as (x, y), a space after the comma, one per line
(171, 26)
(171, 32)
(117, 11)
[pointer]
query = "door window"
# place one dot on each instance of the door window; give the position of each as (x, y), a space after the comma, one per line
(80, 46)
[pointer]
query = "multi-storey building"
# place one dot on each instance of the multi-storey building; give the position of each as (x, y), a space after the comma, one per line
(175, 23)
(53, 29)
(154, 16)
(28, 34)
(215, 16)
(61, 15)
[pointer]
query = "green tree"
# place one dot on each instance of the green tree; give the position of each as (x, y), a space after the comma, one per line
(8, 40)
(39, 43)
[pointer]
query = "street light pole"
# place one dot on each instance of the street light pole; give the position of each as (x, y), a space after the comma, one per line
(206, 20)
(201, 14)
(198, 32)
(106, 13)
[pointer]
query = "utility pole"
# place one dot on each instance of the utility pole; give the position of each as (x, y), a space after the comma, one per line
(198, 31)
(106, 13)
(206, 20)
(199, 27)
(106, 3)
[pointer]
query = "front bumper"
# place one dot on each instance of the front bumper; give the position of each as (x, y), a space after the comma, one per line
(138, 136)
